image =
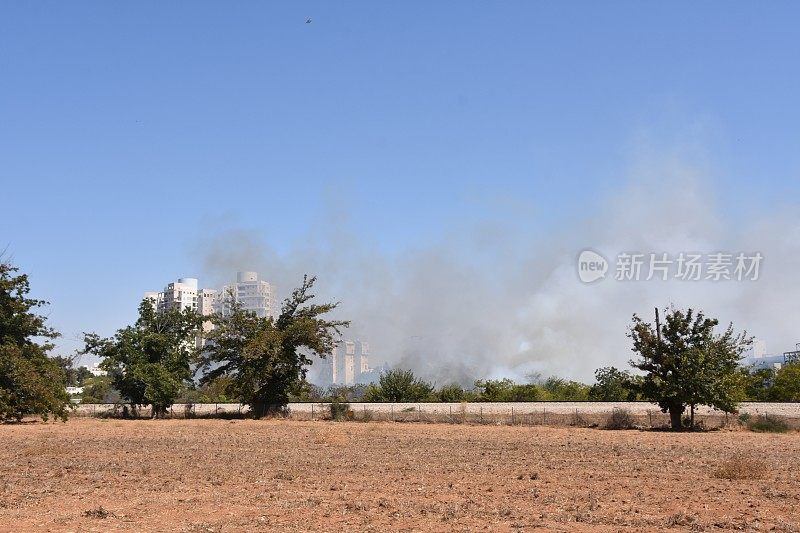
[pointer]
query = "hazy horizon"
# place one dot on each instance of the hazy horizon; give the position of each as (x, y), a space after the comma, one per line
(439, 169)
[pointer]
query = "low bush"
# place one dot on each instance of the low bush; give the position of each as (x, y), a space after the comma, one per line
(341, 411)
(620, 419)
(767, 424)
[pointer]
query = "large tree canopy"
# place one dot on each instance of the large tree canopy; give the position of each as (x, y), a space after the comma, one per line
(688, 364)
(31, 383)
(150, 361)
(265, 359)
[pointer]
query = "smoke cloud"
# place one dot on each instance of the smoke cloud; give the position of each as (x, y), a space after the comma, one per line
(485, 300)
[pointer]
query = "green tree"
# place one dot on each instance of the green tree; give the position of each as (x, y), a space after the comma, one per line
(613, 385)
(150, 361)
(398, 385)
(266, 359)
(688, 364)
(505, 390)
(451, 393)
(31, 383)
(562, 390)
(99, 389)
(73, 377)
(757, 383)
(786, 387)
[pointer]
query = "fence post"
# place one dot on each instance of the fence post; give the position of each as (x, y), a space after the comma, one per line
(419, 412)
(451, 414)
(392, 410)
(481, 414)
(650, 417)
(544, 416)
(512, 415)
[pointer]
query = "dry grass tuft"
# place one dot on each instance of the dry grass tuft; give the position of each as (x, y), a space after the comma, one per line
(620, 419)
(332, 440)
(742, 466)
(98, 513)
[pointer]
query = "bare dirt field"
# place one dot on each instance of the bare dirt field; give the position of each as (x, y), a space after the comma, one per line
(243, 475)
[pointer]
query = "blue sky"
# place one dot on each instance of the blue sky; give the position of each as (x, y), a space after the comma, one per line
(129, 133)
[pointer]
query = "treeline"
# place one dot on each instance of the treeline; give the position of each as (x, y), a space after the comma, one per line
(611, 385)
(683, 362)
(398, 385)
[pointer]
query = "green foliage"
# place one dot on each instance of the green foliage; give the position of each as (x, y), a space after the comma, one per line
(73, 377)
(690, 365)
(150, 362)
(31, 383)
(757, 384)
(451, 393)
(341, 411)
(212, 392)
(562, 390)
(505, 390)
(786, 387)
(99, 389)
(399, 385)
(613, 385)
(345, 393)
(266, 359)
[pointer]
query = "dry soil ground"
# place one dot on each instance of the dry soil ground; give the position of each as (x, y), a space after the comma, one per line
(218, 475)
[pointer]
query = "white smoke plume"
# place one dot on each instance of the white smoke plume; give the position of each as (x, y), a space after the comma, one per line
(484, 300)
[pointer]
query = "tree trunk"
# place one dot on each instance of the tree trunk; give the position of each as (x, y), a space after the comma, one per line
(692, 415)
(258, 409)
(262, 409)
(675, 414)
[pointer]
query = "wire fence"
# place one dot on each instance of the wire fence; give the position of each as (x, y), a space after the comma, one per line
(575, 414)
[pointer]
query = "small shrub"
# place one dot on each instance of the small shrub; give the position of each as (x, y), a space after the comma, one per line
(341, 411)
(620, 419)
(680, 519)
(284, 475)
(98, 513)
(579, 421)
(741, 466)
(744, 418)
(768, 424)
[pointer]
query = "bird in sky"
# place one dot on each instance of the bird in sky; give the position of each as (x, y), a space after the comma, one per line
(308, 21)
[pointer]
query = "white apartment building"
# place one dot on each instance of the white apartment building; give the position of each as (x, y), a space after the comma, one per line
(180, 295)
(253, 294)
(257, 296)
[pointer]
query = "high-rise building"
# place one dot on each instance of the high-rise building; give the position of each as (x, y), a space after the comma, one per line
(362, 351)
(254, 295)
(348, 364)
(207, 301)
(179, 295)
